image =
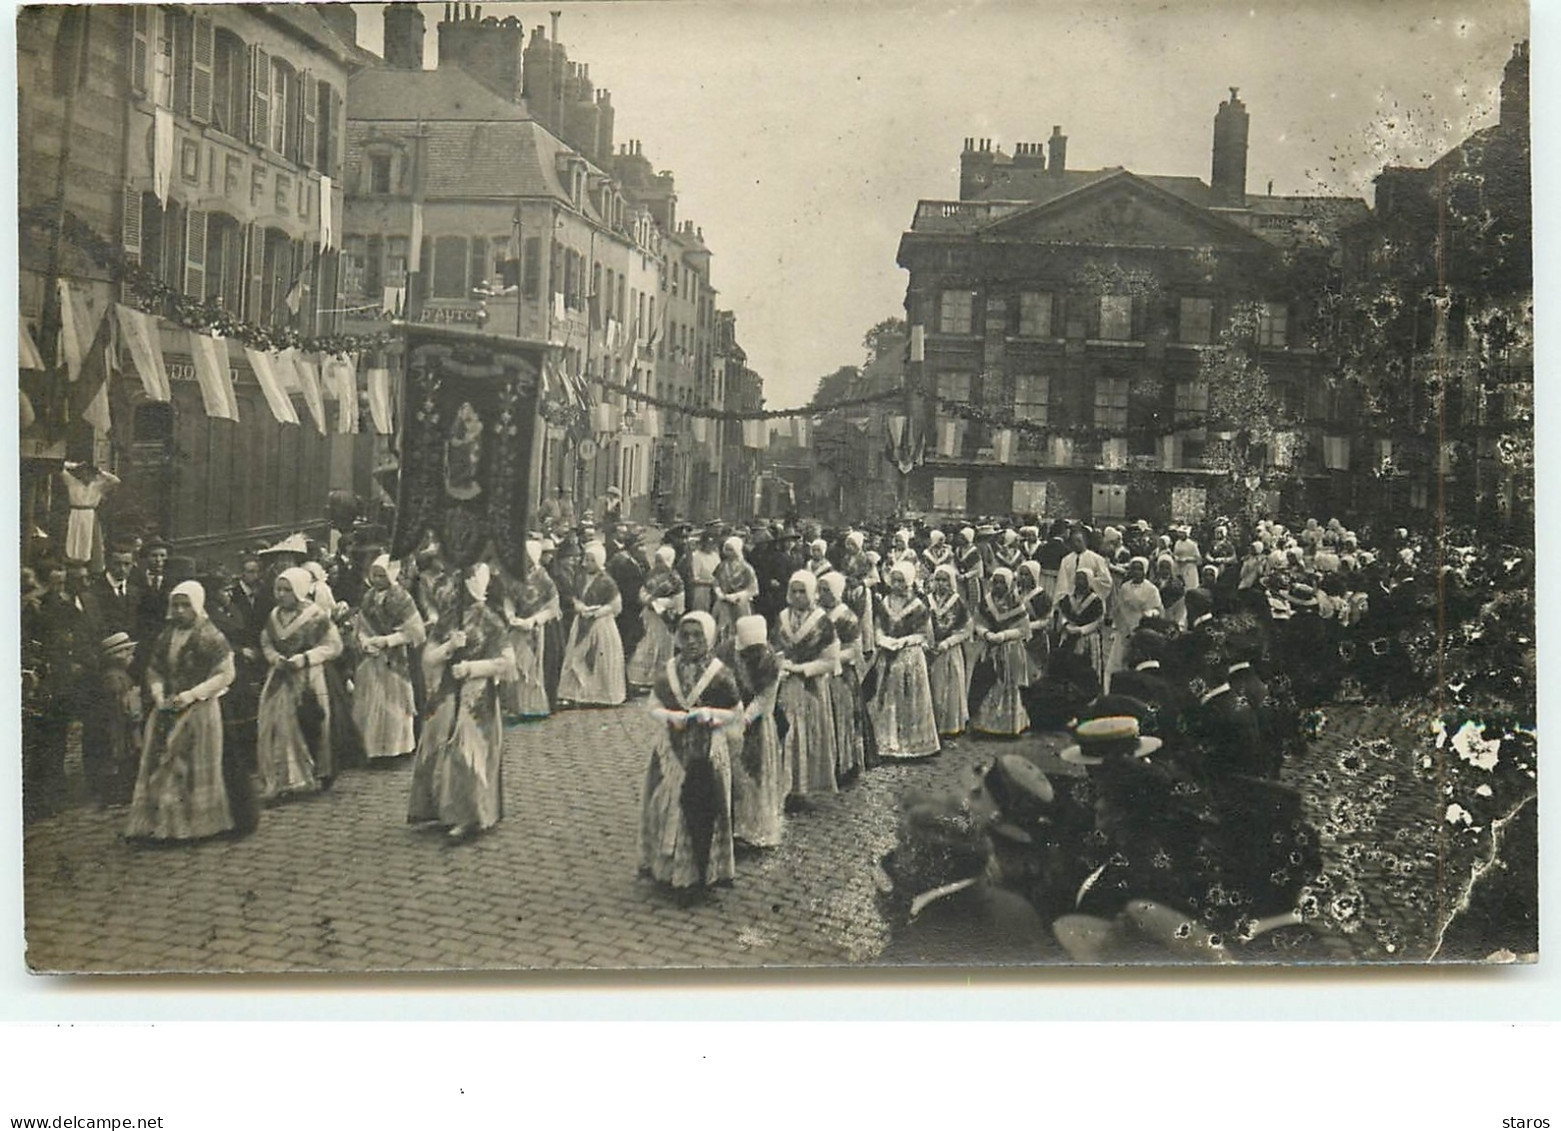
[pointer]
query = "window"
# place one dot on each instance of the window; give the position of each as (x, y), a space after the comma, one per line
(1274, 326)
(354, 267)
(956, 312)
(396, 265)
(1030, 497)
(379, 173)
(1189, 504)
(948, 494)
(477, 265)
(278, 273)
(1196, 324)
(954, 386)
(1035, 314)
(1192, 401)
(173, 246)
(449, 279)
(1111, 402)
(230, 84)
(1032, 398)
(1116, 318)
(225, 260)
(284, 123)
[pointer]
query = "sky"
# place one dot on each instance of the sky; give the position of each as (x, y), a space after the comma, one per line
(802, 134)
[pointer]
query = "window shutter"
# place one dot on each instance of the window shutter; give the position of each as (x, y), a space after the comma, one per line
(311, 138)
(130, 223)
(338, 134)
(140, 46)
(259, 95)
(257, 272)
(195, 253)
(183, 60)
(204, 57)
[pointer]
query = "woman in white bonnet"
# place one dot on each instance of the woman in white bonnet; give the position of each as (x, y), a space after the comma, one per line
(457, 777)
(898, 694)
(293, 742)
(593, 662)
(736, 586)
(808, 653)
(531, 608)
(179, 791)
(661, 607)
(389, 634)
(686, 805)
(759, 777)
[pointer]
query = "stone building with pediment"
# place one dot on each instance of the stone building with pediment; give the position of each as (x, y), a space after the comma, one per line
(1067, 326)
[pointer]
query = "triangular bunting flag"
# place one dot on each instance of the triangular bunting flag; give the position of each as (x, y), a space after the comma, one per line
(379, 400)
(309, 380)
(210, 356)
(30, 357)
(342, 377)
(141, 337)
(277, 400)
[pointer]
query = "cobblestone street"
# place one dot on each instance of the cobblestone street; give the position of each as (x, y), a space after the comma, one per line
(339, 882)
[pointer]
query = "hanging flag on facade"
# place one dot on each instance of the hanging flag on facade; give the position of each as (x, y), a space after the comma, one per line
(271, 386)
(141, 337)
(1062, 451)
(1113, 454)
(754, 434)
(89, 395)
(309, 382)
(327, 217)
(210, 356)
(379, 400)
(163, 137)
(700, 427)
(1003, 445)
(918, 343)
(77, 330)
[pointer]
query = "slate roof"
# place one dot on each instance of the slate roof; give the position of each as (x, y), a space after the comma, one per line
(448, 94)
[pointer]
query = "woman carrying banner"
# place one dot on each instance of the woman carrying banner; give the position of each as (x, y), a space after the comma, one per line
(179, 791)
(686, 807)
(294, 719)
(593, 662)
(457, 778)
(389, 632)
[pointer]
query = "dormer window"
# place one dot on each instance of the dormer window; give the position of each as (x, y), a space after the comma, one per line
(379, 173)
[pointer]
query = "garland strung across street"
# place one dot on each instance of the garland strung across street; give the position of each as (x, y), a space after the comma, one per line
(151, 294)
(752, 414)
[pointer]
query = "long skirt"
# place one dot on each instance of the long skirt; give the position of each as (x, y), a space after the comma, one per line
(759, 785)
(294, 732)
(525, 696)
(180, 793)
(726, 615)
(901, 706)
(807, 721)
(998, 706)
(345, 749)
(552, 657)
(383, 705)
(670, 846)
(457, 777)
(593, 664)
(950, 691)
(845, 700)
(654, 650)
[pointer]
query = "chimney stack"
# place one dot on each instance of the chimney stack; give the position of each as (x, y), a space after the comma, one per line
(1228, 177)
(1057, 150)
(404, 37)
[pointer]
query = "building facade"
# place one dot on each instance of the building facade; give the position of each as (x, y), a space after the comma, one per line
(1106, 345)
(205, 144)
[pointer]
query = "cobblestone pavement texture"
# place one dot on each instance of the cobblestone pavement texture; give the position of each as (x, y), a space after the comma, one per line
(339, 881)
